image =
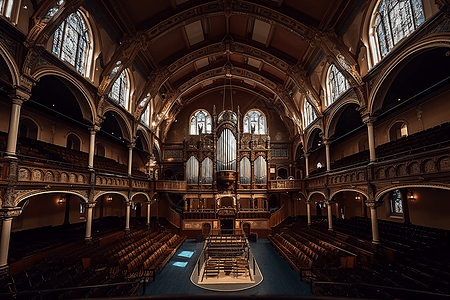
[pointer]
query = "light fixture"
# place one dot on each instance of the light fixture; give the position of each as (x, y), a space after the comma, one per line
(61, 199)
(410, 196)
(358, 197)
(109, 199)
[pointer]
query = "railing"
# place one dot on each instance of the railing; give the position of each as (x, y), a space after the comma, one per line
(285, 184)
(174, 218)
(171, 185)
(279, 216)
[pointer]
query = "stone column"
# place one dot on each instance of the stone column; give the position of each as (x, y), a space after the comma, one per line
(330, 215)
(7, 215)
(370, 136)
(92, 130)
(18, 98)
(327, 154)
(307, 164)
(374, 220)
(127, 216)
(308, 211)
(130, 157)
(89, 208)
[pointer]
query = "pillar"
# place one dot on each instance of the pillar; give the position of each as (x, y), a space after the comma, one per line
(18, 98)
(374, 221)
(330, 215)
(89, 207)
(308, 212)
(327, 155)
(307, 164)
(127, 216)
(149, 212)
(370, 136)
(92, 130)
(7, 216)
(130, 157)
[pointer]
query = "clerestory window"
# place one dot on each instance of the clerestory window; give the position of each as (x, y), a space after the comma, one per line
(254, 122)
(337, 84)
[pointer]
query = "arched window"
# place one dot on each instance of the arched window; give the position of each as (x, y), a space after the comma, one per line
(207, 171)
(99, 150)
(71, 43)
(192, 170)
(145, 118)
(6, 8)
(398, 130)
(245, 171)
(260, 170)
(73, 142)
(393, 21)
(395, 198)
(309, 115)
(254, 122)
(28, 129)
(200, 122)
(337, 84)
(120, 91)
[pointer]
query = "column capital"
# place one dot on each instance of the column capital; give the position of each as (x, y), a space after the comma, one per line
(306, 155)
(94, 128)
(373, 204)
(328, 201)
(7, 213)
(131, 145)
(90, 204)
(19, 96)
(367, 119)
(127, 203)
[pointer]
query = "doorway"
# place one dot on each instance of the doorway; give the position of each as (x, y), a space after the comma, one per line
(226, 226)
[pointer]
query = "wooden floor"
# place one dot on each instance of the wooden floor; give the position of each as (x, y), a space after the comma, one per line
(279, 277)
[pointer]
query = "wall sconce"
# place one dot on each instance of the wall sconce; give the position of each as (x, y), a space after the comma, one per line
(109, 199)
(358, 197)
(61, 199)
(410, 196)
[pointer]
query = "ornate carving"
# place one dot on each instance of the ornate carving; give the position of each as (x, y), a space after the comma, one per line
(429, 166)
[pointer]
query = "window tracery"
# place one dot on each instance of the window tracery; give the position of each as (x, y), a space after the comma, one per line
(121, 89)
(254, 122)
(71, 42)
(393, 21)
(309, 114)
(200, 122)
(337, 84)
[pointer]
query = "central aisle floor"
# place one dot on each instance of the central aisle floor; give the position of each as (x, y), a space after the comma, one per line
(279, 277)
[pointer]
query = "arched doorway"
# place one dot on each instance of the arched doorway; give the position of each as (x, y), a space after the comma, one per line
(206, 228)
(246, 228)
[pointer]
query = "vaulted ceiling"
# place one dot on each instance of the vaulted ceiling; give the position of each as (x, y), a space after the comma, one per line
(262, 43)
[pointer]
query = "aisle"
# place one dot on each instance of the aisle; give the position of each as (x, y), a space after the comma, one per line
(279, 277)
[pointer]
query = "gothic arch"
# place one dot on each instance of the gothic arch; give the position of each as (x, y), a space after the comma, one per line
(309, 136)
(25, 194)
(380, 194)
(335, 114)
(11, 64)
(123, 121)
(377, 93)
(84, 97)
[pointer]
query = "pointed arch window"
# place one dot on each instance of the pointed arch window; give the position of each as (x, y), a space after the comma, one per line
(207, 171)
(245, 171)
(145, 118)
(200, 122)
(337, 84)
(309, 114)
(120, 91)
(255, 122)
(393, 21)
(260, 170)
(72, 43)
(192, 170)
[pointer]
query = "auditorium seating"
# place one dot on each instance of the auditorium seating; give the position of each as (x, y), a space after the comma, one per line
(96, 269)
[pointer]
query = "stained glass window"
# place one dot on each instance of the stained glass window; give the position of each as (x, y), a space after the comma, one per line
(71, 42)
(337, 84)
(395, 20)
(6, 7)
(396, 202)
(120, 90)
(254, 122)
(200, 123)
(145, 118)
(309, 115)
